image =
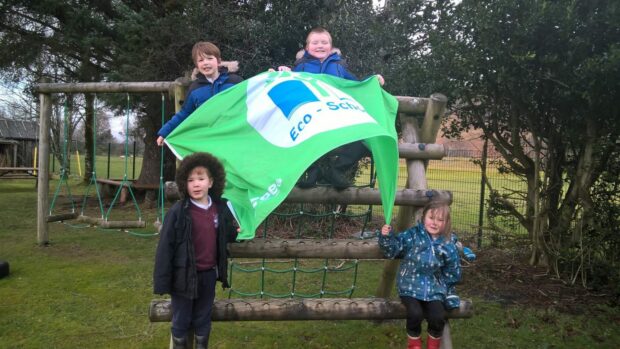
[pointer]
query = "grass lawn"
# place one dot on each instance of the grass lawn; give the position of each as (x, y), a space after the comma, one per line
(90, 288)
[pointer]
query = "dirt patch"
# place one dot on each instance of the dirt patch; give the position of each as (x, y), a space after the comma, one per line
(505, 276)
(501, 275)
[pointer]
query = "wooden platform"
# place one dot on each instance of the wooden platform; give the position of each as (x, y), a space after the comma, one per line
(110, 186)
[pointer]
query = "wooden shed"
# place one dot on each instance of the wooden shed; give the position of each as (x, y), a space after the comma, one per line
(18, 139)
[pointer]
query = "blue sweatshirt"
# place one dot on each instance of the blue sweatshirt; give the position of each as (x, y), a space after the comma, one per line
(199, 92)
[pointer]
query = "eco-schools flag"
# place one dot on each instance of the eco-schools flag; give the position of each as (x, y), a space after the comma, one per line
(267, 130)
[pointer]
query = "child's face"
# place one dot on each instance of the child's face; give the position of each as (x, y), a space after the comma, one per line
(207, 65)
(435, 223)
(198, 184)
(319, 45)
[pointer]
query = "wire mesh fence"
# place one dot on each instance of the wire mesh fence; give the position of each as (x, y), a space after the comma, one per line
(459, 172)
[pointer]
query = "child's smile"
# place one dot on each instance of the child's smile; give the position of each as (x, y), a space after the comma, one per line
(319, 45)
(208, 66)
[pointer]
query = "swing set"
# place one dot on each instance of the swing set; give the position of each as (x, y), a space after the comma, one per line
(104, 221)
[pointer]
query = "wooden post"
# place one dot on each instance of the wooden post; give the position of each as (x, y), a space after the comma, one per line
(433, 116)
(416, 173)
(416, 179)
(15, 155)
(180, 89)
(45, 114)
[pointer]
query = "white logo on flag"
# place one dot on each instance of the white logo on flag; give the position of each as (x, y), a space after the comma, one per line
(293, 108)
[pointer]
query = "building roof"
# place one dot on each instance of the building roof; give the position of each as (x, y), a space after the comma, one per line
(18, 129)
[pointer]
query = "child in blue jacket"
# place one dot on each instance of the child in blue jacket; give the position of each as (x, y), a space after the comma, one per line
(430, 266)
(320, 57)
(210, 80)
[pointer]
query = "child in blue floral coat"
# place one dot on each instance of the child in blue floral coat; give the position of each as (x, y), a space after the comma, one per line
(430, 266)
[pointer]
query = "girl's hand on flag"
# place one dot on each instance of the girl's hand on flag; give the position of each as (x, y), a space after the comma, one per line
(385, 230)
(284, 68)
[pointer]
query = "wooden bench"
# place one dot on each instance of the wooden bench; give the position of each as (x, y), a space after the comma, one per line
(18, 172)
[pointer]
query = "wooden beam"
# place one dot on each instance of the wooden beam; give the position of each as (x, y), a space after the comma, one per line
(304, 309)
(349, 196)
(412, 105)
(105, 87)
(408, 105)
(421, 151)
(306, 248)
(366, 196)
(45, 114)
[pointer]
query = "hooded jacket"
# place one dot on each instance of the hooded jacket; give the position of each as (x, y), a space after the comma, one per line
(428, 267)
(175, 263)
(199, 92)
(332, 65)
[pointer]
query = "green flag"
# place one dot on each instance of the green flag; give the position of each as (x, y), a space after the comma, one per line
(267, 130)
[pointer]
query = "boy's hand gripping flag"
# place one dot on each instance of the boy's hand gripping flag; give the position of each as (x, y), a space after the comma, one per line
(267, 130)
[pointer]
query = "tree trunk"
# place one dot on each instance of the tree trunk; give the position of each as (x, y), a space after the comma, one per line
(150, 122)
(89, 118)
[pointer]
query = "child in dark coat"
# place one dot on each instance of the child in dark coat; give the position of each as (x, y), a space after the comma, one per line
(191, 255)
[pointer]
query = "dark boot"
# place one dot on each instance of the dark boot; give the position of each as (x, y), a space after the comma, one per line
(309, 178)
(202, 342)
(414, 343)
(432, 342)
(179, 343)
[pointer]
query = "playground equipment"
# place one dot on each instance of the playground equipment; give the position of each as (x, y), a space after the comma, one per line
(63, 178)
(43, 166)
(419, 147)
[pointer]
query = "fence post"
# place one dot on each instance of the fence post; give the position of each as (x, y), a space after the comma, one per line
(483, 179)
(109, 150)
(133, 173)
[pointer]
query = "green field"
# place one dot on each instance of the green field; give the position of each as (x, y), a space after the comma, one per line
(116, 168)
(90, 288)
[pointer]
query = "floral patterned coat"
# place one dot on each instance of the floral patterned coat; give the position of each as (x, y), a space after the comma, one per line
(428, 267)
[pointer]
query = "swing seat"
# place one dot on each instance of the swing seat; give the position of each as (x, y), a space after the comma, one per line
(61, 217)
(89, 220)
(102, 223)
(121, 224)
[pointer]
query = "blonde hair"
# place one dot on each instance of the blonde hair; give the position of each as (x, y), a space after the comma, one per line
(442, 210)
(205, 48)
(318, 30)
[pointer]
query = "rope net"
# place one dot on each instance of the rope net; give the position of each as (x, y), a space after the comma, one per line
(303, 278)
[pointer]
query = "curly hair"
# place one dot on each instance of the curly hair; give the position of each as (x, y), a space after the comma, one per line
(214, 168)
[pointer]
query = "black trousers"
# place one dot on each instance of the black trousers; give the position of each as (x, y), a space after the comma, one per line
(417, 310)
(348, 155)
(195, 313)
